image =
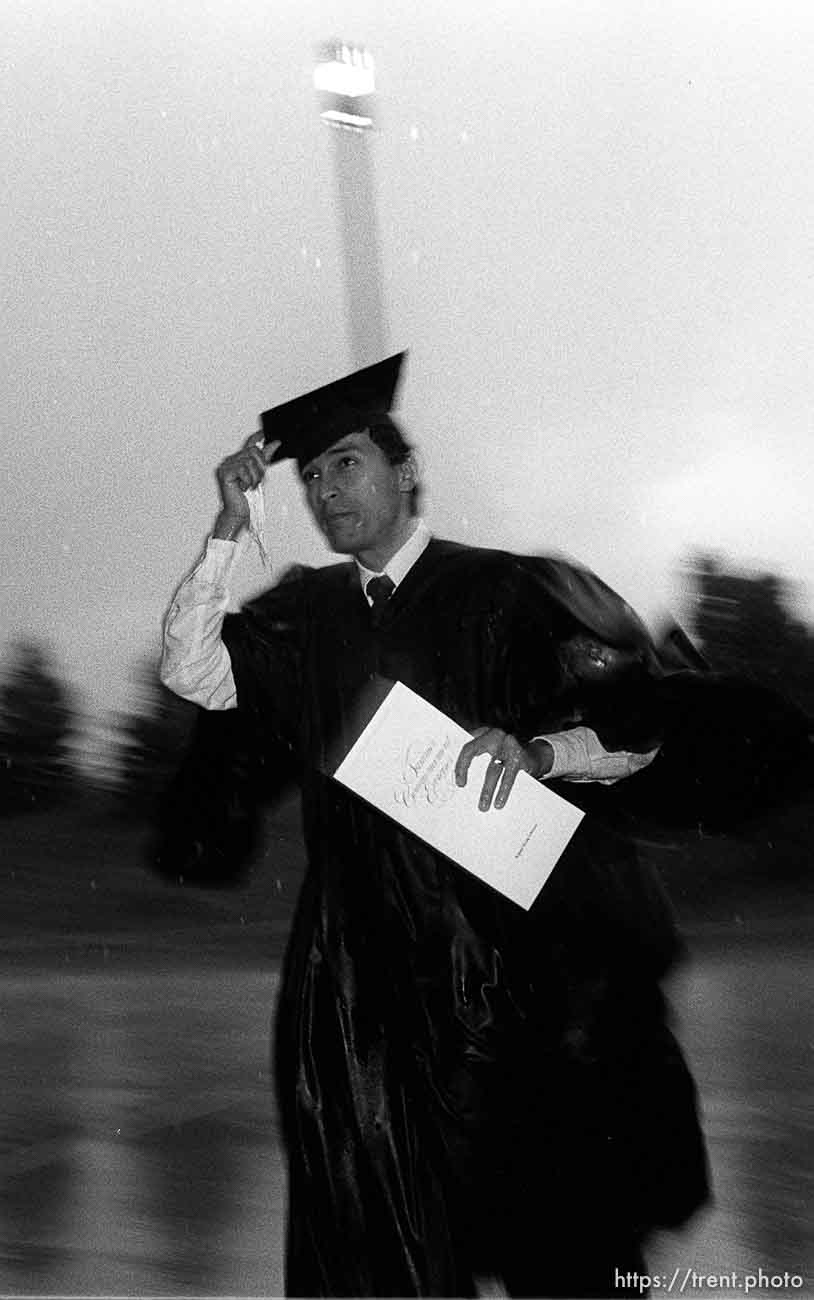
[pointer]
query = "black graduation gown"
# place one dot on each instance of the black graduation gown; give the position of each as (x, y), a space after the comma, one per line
(465, 1087)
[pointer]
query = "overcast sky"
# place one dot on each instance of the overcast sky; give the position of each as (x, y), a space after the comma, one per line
(595, 222)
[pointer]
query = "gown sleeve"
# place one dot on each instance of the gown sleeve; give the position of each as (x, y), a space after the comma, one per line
(267, 644)
(729, 750)
(240, 758)
(208, 823)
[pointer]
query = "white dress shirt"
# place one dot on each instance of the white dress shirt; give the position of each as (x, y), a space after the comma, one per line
(195, 663)
(402, 562)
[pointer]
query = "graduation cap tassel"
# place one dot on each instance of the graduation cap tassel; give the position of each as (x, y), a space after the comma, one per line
(257, 521)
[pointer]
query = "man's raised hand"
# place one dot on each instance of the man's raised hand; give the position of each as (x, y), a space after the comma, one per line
(236, 476)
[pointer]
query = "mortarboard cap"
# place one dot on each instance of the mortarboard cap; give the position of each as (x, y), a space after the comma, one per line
(308, 425)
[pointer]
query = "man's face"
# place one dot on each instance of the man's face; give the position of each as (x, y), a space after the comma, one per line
(359, 500)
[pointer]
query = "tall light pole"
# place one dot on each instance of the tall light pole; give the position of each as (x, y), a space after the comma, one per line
(345, 77)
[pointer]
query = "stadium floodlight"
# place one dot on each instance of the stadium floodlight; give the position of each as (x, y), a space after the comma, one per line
(345, 77)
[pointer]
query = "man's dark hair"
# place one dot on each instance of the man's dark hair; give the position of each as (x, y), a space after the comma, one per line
(388, 436)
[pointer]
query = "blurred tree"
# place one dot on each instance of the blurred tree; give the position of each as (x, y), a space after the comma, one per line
(152, 741)
(36, 720)
(746, 626)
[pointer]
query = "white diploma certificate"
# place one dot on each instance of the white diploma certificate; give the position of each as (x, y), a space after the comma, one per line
(404, 764)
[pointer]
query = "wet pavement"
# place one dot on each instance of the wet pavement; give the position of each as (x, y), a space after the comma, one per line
(138, 1142)
(139, 1151)
(746, 1019)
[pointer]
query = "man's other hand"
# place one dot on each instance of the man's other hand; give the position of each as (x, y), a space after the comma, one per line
(508, 757)
(236, 476)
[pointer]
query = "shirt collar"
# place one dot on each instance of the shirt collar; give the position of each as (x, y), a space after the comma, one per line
(399, 565)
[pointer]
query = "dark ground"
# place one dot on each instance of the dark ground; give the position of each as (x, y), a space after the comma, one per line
(138, 1140)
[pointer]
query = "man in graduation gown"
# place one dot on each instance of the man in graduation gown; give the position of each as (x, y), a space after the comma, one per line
(466, 1088)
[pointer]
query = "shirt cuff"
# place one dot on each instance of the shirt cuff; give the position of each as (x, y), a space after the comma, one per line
(570, 753)
(218, 557)
(579, 755)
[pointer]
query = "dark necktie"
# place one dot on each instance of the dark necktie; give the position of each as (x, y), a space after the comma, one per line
(378, 591)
